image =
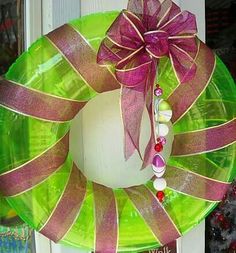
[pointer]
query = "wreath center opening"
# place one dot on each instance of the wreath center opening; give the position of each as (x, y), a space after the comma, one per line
(97, 141)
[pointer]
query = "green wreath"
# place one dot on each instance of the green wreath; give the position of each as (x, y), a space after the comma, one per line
(45, 89)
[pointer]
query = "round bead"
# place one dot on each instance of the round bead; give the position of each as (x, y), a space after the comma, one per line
(163, 105)
(159, 172)
(221, 218)
(233, 245)
(160, 196)
(158, 147)
(161, 140)
(160, 184)
(158, 161)
(158, 92)
(226, 225)
(164, 112)
(165, 116)
(158, 169)
(162, 130)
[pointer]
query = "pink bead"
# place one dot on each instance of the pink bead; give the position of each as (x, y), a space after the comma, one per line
(158, 92)
(158, 161)
(161, 140)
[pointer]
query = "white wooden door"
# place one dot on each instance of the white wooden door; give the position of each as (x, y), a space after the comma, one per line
(56, 12)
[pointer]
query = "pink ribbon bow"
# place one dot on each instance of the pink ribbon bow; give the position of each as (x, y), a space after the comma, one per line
(147, 31)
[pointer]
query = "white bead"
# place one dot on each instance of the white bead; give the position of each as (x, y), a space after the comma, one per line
(156, 117)
(165, 116)
(160, 184)
(162, 130)
(163, 112)
(158, 169)
(159, 172)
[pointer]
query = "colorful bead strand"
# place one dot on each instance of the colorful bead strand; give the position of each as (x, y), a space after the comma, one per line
(163, 115)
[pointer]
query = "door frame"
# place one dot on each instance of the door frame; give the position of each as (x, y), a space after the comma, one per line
(33, 21)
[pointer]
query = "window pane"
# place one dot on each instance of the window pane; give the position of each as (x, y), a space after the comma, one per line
(221, 30)
(221, 37)
(11, 32)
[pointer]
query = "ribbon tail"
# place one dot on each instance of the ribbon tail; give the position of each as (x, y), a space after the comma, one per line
(150, 151)
(183, 64)
(132, 106)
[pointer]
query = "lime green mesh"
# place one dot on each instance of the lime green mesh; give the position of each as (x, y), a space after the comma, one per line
(23, 138)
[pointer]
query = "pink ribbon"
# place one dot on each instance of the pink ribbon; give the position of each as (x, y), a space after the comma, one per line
(147, 31)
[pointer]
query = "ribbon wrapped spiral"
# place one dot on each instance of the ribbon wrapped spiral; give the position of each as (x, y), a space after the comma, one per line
(44, 90)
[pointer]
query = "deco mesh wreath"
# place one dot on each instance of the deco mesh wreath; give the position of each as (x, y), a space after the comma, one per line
(8, 216)
(151, 51)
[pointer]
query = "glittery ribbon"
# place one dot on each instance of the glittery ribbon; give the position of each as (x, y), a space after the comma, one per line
(147, 31)
(30, 174)
(37, 104)
(82, 58)
(154, 214)
(195, 185)
(205, 140)
(184, 96)
(68, 207)
(106, 220)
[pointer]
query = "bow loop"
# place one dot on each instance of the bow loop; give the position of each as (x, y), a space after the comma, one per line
(147, 11)
(125, 32)
(146, 31)
(133, 72)
(184, 23)
(157, 43)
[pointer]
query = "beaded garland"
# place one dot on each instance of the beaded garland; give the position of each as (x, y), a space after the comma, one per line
(163, 114)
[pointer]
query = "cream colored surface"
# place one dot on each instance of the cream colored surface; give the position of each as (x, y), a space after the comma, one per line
(99, 148)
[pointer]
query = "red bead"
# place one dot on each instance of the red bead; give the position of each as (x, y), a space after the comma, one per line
(158, 147)
(224, 197)
(233, 245)
(221, 218)
(225, 225)
(160, 196)
(215, 214)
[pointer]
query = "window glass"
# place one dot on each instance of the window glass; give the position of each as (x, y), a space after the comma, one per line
(221, 30)
(221, 37)
(11, 32)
